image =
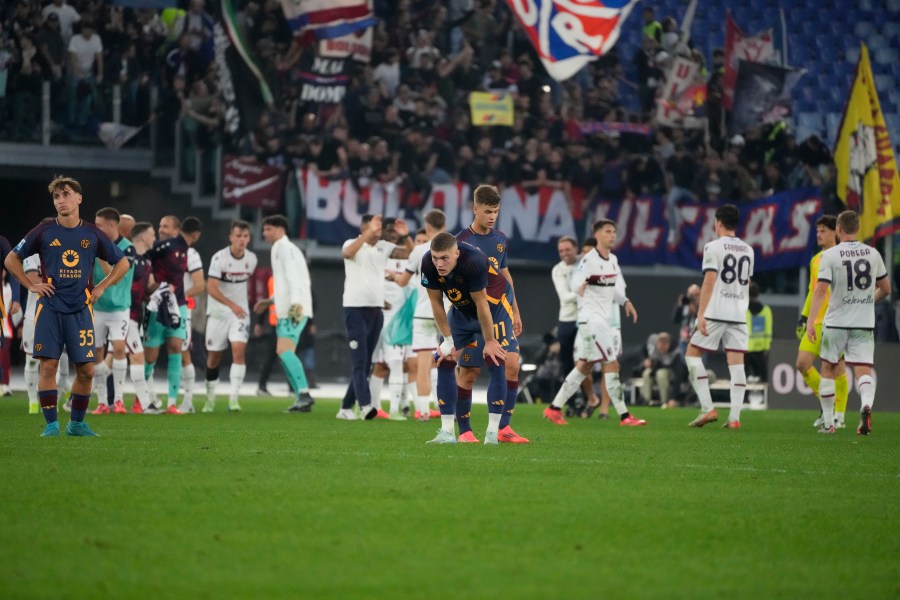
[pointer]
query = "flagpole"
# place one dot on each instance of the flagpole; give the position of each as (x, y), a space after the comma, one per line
(784, 39)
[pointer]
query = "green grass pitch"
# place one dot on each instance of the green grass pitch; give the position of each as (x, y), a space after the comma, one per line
(264, 504)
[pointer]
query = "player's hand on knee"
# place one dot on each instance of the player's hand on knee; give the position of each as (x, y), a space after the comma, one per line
(494, 353)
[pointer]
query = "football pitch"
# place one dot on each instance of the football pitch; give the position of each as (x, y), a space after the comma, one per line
(264, 504)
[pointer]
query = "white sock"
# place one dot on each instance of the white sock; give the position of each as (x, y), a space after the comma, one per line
(188, 379)
(432, 375)
(375, 385)
(616, 396)
(738, 388)
(236, 379)
(448, 424)
(700, 382)
(32, 374)
(422, 405)
(141, 389)
(101, 372)
(571, 385)
(151, 386)
(211, 390)
(826, 399)
(395, 385)
(866, 387)
(119, 370)
(404, 394)
(494, 422)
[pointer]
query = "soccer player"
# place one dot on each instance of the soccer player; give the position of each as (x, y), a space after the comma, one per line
(14, 307)
(365, 258)
(64, 314)
(826, 237)
(463, 273)
(425, 332)
(143, 236)
(168, 257)
(111, 317)
(194, 285)
(722, 316)
(858, 279)
(595, 280)
(228, 313)
(493, 243)
(31, 266)
(292, 297)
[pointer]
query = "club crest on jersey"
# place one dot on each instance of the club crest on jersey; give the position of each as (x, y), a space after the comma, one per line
(85, 244)
(70, 258)
(500, 248)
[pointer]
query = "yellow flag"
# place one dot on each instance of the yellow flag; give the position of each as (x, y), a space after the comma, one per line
(867, 178)
(489, 108)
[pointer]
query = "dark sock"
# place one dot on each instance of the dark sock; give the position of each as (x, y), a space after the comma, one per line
(624, 415)
(47, 398)
(496, 392)
(464, 410)
(110, 390)
(79, 406)
(512, 392)
(446, 388)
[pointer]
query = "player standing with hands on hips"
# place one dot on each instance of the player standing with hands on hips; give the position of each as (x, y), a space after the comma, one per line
(858, 279)
(64, 314)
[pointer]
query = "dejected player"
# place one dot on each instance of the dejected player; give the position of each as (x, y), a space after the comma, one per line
(64, 312)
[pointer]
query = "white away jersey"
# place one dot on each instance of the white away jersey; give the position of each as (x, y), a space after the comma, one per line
(851, 269)
(414, 266)
(194, 263)
(393, 293)
(601, 275)
(290, 276)
(732, 260)
(32, 264)
(233, 274)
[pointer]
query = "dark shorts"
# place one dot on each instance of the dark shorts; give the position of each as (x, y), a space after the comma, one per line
(54, 331)
(466, 333)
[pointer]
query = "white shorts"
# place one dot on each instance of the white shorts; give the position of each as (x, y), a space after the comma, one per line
(733, 337)
(857, 345)
(617, 340)
(388, 353)
(425, 334)
(223, 330)
(186, 342)
(596, 341)
(111, 326)
(134, 340)
(28, 334)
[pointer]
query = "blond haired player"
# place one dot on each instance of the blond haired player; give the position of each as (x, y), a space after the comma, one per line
(826, 237)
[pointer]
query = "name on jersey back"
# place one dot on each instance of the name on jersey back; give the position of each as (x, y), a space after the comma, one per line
(859, 253)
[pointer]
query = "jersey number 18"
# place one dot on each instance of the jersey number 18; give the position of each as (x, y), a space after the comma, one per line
(862, 271)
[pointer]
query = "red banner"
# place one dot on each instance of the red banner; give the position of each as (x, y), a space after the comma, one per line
(249, 183)
(759, 48)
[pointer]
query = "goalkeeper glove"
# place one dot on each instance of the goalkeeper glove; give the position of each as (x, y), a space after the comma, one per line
(801, 327)
(295, 313)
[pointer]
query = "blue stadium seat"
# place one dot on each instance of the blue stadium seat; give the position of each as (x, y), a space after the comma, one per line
(886, 56)
(807, 124)
(875, 42)
(832, 123)
(852, 54)
(891, 30)
(864, 29)
(884, 83)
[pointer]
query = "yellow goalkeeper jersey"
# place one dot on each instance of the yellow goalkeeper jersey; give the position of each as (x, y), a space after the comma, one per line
(813, 280)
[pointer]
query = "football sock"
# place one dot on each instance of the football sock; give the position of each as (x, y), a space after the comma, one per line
(174, 377)
(100, 373)
(866, 386)
(236, 378)
(496, 392)
(812, 378)
(188, 380)
(79, 406)
(700, 382)
(32, 374)
(294, 371)
(841, 393)
(738, 387)
(47, 398)
(422, 405)
(512, 392)
(493, 422)
(433, 375)
(569, 387)
(395, 385)
(445, 388)
(375, 386)
(616, 396)
(141, 389)
(826, 398)
(447, 423)
(119, 370)
(212, 383)
(148, 375)
(464, 409)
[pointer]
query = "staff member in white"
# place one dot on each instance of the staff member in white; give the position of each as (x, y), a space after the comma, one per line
(365, 258)
(722, 316)
(228, 313)
(595, 279)
(194, 285)
(858, 279)
(425, 331)
(292, 296)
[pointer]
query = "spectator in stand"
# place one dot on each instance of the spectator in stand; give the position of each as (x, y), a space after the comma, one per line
(652, 28)
(661, 367)
(202, 114)
(773, 180)
(53, 54)
(743, 184)
(384, 164)
(27, 90)
(371, 115)
(67, 15)
(713, 182)
(198, 26)
(649, 75)
(614, 184)
(645, 177)
(680, 172)
(387, 74)
(122, 69)
(85, 74)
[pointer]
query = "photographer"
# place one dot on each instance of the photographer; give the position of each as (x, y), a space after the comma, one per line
(685, 315)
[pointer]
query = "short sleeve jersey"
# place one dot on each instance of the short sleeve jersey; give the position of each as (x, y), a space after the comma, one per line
(813, 280)
(142, 268)
(471, 274)
(170, 262)
(118, 296)
(233, 274)
(414, 266)
(494, 245)
(601, 275)
(194, 263)
(851, 269)
(67, 259)
(4, 250)
(732, 261)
